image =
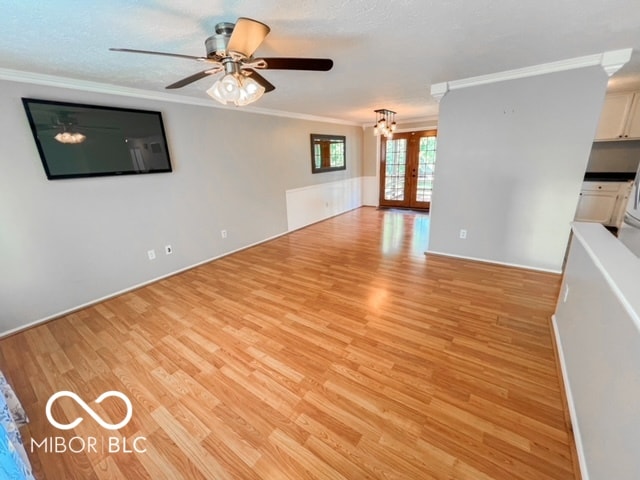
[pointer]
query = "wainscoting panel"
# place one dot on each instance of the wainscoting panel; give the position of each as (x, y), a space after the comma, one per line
(307, 205)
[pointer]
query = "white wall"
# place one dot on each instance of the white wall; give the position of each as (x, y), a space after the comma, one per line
(511, 159)
(598, 334)
(370, 168)
(66, 243)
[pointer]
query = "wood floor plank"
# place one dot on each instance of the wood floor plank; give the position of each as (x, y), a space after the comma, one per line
(199, 456)
(336, 351)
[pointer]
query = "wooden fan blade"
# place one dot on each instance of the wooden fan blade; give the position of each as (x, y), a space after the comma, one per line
(268, 86)
(247, 36)
(129, 50)
(315, 64)
(192, 78)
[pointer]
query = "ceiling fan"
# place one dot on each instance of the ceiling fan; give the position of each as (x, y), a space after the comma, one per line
(231, 51)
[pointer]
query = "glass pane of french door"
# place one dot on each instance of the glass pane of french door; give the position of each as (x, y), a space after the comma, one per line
(426, 165)
(395, 170)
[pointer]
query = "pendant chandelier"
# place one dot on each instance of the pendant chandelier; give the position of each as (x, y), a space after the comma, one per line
(385, 123)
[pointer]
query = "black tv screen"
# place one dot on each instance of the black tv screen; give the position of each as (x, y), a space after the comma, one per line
(77, 140)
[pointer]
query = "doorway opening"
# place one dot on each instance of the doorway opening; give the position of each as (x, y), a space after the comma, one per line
(407, 164)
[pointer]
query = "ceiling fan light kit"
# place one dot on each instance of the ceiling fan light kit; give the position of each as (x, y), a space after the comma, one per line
(231, 51)
(236, 89)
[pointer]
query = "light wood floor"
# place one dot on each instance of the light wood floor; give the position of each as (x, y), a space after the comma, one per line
(336, 352)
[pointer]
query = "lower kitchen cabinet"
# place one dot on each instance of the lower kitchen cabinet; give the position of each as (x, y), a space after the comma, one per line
(603, 202)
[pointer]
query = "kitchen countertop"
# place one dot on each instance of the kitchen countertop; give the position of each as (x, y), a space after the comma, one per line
(597, 328)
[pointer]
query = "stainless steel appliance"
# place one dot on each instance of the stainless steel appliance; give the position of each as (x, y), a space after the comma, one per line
(629, 233)
(632, 215)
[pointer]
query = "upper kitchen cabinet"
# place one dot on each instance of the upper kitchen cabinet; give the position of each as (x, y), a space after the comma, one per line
(620, 118)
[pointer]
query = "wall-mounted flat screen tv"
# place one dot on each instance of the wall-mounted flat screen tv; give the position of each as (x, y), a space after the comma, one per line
(77, 140)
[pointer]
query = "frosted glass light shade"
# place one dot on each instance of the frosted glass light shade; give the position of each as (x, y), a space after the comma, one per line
(249, 92)
(236, 89)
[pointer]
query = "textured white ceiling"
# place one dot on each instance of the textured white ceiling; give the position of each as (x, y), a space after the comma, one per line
(386, 53)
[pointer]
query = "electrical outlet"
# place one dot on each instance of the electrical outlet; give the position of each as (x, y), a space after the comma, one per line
(463, 234)
(223, 233)
(151, 254)
(168, 249)
(566, 293)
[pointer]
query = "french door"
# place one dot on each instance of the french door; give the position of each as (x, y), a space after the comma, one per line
(407, 163)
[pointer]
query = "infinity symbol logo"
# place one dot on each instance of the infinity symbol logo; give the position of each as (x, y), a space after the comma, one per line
(89, 410)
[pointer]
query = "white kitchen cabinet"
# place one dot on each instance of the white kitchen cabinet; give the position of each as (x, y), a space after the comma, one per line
(595, 207)
(620, 117)
(603, 202)
(633, 124)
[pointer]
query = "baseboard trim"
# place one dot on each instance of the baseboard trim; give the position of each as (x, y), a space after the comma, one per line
(495, 262)
(54, 316)
(573, 418)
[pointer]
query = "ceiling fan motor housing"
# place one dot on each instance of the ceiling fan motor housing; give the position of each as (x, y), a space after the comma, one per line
(216, 45)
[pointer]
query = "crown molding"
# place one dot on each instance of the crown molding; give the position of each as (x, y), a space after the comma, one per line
(610, 61)
(109, 89)
(614, 60)
(439, 90)
(427, 121)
